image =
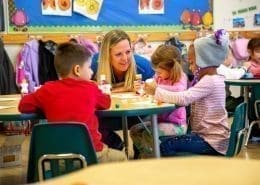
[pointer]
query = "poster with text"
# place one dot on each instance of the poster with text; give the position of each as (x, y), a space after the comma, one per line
(236, 14)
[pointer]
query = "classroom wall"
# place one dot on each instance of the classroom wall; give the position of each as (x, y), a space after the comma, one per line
(13, 49)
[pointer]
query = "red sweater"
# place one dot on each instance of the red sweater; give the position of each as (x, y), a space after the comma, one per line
(69, 100)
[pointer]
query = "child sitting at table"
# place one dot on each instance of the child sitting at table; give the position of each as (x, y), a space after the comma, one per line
(228, 72)
(254, 58)
(74, 97)
(166, 61)
(209, 125)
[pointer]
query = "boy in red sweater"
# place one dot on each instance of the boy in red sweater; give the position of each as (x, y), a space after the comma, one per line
(74, 97)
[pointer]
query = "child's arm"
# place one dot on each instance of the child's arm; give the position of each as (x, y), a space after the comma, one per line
(181, 85)
(231, 73)
(103, 100)
(254, 69)
(184, 98)
(28, 104)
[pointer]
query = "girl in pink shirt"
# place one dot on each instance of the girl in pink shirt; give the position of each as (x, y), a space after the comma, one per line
(209, 127)
(254, 59)
(169, 76)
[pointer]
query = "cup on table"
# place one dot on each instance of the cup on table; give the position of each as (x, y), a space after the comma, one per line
(139, 84)
(150, 86)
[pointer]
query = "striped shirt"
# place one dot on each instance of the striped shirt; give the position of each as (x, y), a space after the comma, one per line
(208, 113)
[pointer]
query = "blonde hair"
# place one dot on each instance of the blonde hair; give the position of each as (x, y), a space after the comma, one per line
(168, 57)
(104, 60)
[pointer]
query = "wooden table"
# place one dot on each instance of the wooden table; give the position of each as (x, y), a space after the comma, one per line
(167, 171)
(9, 110)
(130, 104)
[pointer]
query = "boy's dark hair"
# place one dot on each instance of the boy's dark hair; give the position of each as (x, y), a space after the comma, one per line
(69, 54)
(253, 44)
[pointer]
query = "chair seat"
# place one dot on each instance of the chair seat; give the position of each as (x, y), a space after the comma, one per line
(55, 140)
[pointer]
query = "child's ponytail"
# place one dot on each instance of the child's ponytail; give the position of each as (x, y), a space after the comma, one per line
(176, 71)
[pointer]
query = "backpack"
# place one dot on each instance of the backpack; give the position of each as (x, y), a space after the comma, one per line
(239, 48)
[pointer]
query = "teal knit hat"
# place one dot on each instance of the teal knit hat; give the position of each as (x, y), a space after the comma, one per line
(212, 50)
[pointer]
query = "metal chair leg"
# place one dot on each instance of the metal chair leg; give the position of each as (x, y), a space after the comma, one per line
(250, 129)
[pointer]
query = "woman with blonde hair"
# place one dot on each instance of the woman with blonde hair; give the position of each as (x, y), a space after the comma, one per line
(118, 63)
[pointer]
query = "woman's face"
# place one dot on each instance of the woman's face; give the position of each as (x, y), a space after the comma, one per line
(120, 56)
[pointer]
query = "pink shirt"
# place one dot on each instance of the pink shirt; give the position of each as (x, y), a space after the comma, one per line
(254, 68)
(208, 116)
(178, 116)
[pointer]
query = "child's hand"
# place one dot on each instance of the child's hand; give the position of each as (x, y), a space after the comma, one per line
(150, 86)
(246, 65)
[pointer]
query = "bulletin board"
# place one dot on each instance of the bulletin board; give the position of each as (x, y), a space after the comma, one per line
(237, 14)
(122, 14)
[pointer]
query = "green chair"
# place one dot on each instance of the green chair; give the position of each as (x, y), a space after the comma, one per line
(253, 109)
(59, 148)
(256, 121)
(238, 131)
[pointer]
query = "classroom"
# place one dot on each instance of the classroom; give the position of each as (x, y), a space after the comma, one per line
(138, 92)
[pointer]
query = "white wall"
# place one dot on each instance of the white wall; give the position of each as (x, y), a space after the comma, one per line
(226, 10)
(12, 51)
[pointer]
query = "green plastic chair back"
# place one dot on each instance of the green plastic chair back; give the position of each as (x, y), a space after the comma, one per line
(255, 95)
(58, 138)
(238, 130)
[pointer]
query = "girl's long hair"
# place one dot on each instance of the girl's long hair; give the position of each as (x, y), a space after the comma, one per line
(169, 58)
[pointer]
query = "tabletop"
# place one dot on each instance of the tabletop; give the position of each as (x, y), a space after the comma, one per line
(9, 109)
(128, 104)
(131, 104)
(243, 82)
(167, 171)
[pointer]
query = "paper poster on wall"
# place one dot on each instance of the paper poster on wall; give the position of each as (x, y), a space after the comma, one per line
(257, 19)
(56, 7)
(105, 15)
(151, 7)
(236, 15)
(238, 23)
(88, 8)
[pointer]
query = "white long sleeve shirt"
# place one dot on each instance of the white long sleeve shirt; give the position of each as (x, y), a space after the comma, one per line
(230, 73)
